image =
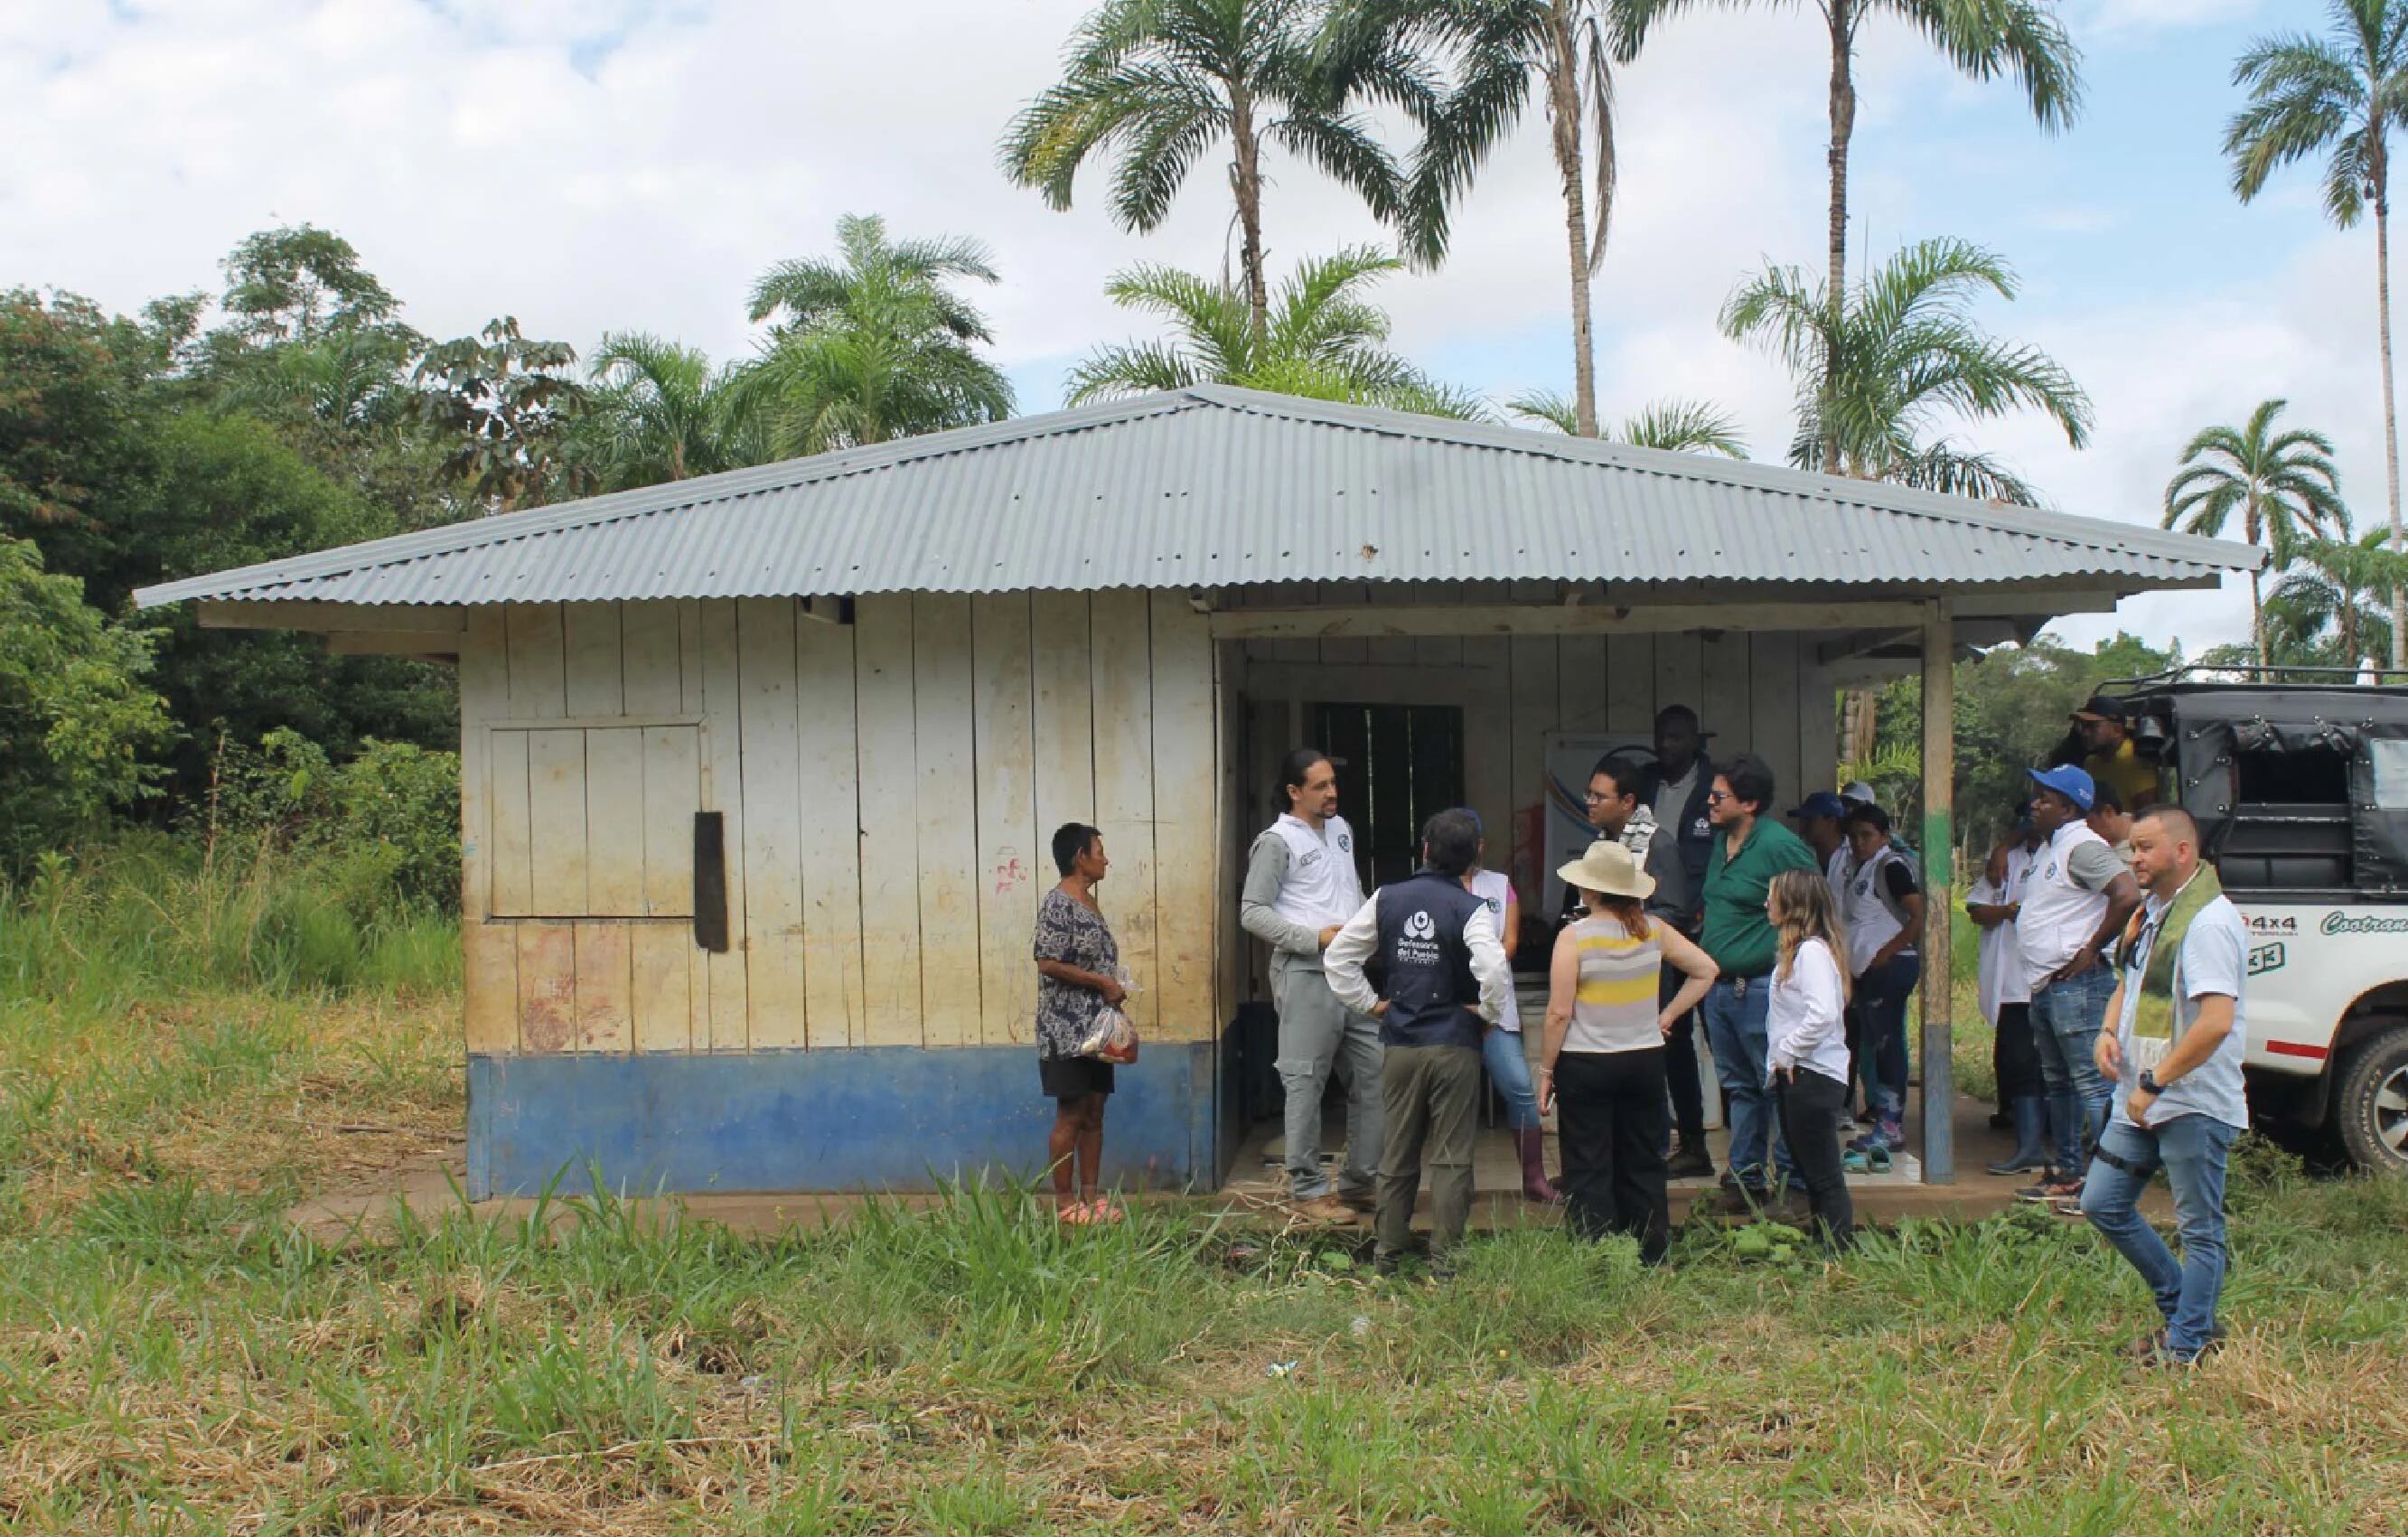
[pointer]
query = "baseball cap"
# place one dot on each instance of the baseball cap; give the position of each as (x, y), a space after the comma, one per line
(1858, 792)
(2100, 707)
(1821, 803)
(2073, 783)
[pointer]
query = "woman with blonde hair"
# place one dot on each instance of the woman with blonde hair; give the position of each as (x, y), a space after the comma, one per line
(1602, 1071)
(1806, 1042)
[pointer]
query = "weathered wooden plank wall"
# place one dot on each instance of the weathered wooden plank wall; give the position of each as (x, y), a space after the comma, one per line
(889, 789)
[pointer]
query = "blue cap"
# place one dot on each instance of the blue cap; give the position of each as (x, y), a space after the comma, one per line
(2073, 783)
(1821, 803)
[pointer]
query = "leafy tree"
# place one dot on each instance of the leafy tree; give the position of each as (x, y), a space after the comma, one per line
(654, 411)
(1876, 371)
(1324, 341)
(76, 719)
(1983, 38)
(1156, 84)
(2324, 610)
(872, 347)
(71, 427)
(2340, 96)
(298, 283)
(504, 399)
(2283, 484)
(1676, 426)
(1492, 53)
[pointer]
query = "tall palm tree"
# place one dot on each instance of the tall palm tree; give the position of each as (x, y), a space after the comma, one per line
(872, 346)
(1676, 426)
(655, 411)
(2334, 587)
(2282, 484)
(1156, 84)
(2339, 96)
(1490, 54)
(1877, 369)
(1983, 38)
(1324, 341)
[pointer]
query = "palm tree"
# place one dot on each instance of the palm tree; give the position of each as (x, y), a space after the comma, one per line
(1875, 370)
(2333, 587)
(2283, 484)
(872, 346)
(1983, 38)
(1323, 340)
(2343, 93)
(656, 411)
(1156, 84)
(1491, 52)
(1676, 426)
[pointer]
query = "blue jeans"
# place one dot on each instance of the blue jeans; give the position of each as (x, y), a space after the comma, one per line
(1735, 1033)
(1881, 994)
(2192, 1150)
(2065, 1020)
(1510, 1070)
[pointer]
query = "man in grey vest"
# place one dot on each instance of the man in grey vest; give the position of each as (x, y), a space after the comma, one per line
(1301, 883)
(1444, 975)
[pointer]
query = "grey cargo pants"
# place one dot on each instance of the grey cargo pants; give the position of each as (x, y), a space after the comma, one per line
(1318, 1034)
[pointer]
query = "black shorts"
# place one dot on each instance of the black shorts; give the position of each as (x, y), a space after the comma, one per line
(1074, 1077)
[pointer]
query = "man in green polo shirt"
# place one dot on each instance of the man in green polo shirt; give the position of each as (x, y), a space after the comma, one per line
(1750, 848)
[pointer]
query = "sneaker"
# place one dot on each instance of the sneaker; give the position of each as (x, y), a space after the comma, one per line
(1363, 1201)
(2070, 1208)
(1325, 1209)
(1689, 1161)
(2051, 1185)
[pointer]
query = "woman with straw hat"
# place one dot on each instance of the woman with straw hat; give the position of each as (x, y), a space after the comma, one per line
(1602, 1071)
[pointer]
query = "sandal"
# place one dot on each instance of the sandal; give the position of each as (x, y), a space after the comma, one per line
(1103, 1212)
(1874, 1159)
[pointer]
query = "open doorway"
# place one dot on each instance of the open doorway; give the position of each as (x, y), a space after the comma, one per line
(1399, 765)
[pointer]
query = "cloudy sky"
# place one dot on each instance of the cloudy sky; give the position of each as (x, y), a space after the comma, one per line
(593, 164)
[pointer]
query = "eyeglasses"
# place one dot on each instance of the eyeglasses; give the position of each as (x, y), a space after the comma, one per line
(1718, 796)
(1596, 799)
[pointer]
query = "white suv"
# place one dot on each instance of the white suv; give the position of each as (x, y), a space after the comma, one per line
(2301, 792)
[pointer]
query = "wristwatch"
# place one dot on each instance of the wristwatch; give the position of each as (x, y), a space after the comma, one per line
(2149, 1084)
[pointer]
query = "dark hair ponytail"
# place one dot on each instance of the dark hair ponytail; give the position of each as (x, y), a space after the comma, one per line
(1297, 766)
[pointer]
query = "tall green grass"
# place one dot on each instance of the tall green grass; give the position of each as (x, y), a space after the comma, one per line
(150, 915)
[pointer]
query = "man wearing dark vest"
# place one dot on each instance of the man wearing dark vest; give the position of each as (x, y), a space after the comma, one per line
(1444, 975)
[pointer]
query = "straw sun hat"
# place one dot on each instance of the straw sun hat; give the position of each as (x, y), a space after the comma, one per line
(1608, 870)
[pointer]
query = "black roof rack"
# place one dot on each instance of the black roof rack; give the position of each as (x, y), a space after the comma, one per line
(2250, 674)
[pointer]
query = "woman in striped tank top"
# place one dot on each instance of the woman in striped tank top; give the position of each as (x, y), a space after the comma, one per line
(1602, 1071)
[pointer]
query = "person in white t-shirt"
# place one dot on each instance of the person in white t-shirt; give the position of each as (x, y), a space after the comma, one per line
(2005, 996)
(1500, 1047)
(1806, 1042)
(1302, 888)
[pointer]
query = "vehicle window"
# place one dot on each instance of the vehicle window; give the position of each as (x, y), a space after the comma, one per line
(2315, 776)
(2390, 774)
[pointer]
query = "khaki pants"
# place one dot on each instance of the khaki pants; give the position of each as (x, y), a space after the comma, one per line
(1431, 1096)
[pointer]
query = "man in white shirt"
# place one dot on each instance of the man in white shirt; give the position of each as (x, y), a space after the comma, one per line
(1301, 885)
(2074, 906)
(2174, 1058)
(1444, 979)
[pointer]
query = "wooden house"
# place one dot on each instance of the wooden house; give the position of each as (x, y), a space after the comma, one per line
(759, 770)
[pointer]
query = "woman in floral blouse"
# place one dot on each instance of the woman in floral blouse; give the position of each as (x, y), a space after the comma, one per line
(1077, 967)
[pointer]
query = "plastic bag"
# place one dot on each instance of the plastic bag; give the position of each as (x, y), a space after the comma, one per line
(1112, 1038)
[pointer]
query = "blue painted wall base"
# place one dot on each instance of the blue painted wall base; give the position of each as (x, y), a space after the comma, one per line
(892, 1118)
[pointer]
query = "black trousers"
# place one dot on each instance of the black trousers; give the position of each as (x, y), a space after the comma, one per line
(1810, 1107)
(2014, 1056)
(1609, 1123)
(1681, 1063)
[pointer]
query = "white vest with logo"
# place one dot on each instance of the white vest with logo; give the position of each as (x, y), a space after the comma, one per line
(1321, 887)
(1872, 914)
(2058, 915)
(1494, 890)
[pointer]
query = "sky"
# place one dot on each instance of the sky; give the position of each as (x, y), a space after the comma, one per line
(631, 164)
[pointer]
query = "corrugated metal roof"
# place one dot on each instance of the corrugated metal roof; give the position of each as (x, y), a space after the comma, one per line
(1215, 486)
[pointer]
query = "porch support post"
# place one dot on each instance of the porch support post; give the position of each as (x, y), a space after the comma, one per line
(1939, 1096)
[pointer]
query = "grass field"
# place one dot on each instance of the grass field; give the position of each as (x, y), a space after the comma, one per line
(173, 1358)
